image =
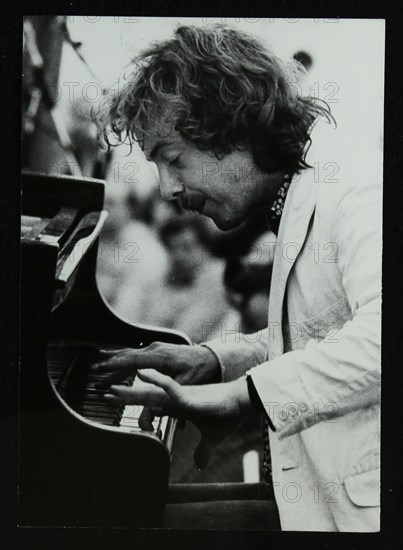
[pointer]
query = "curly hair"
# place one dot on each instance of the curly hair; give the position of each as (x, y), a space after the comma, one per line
(222, 90)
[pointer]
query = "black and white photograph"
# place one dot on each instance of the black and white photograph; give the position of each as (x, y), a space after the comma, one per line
(201, 273)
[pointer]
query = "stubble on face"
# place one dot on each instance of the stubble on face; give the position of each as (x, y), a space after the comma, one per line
(228, 190)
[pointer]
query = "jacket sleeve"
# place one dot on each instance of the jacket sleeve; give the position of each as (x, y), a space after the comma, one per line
(328, 379)
(237, 353)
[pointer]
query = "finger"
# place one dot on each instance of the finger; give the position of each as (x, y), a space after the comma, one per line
(102, 355)
(146, 419)
(159, 411)
(106, 353)
(116, 362)
(161, 380)
(113, 399)
(141, 394)
(121, 377)
(128, 362)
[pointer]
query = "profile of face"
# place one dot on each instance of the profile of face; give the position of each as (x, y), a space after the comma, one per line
(227, 190)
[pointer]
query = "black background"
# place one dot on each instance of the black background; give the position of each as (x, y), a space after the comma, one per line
(392, 409)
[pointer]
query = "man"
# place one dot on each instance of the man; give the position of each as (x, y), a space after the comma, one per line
(219, 115)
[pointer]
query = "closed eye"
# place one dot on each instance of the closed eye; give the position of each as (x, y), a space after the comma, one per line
(175, 161)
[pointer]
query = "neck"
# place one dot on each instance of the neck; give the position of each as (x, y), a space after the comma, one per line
(269, 191)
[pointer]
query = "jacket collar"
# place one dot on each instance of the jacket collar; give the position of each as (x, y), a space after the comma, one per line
(298, 210)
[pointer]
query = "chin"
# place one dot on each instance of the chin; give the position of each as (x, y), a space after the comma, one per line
(224, 223)
(227, 225)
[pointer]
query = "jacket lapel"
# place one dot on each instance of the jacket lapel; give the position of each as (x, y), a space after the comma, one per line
(293, 230)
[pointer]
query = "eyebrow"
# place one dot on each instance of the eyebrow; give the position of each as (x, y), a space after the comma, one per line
(157, 147)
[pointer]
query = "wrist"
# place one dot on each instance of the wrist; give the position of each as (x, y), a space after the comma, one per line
(224, 401)
(206, 366)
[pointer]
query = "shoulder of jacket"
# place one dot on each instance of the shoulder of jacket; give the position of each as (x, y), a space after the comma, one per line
(343, 164)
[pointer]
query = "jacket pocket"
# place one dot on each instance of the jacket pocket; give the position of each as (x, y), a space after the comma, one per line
(364, 489)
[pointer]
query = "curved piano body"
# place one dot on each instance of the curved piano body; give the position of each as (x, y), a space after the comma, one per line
(77, 465)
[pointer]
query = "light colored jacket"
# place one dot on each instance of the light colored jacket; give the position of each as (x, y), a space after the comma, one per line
(317, 367)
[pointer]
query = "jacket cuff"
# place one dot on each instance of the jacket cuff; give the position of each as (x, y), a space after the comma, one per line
(239, 355)
(282, 396)
(255, 399)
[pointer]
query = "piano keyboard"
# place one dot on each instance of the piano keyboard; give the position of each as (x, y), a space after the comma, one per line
(69, 368)
(51, 230)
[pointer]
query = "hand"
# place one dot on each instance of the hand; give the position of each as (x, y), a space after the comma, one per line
(185, 364)
(214, 408)
(212, 402)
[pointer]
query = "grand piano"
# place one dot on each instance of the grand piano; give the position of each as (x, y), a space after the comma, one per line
(82, 462)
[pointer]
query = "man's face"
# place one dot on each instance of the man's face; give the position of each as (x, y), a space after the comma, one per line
(226, 190)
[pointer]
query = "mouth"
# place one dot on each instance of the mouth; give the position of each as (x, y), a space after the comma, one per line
(200, 205)
(195, 205)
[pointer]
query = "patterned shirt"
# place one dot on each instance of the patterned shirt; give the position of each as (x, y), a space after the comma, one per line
(274, 218)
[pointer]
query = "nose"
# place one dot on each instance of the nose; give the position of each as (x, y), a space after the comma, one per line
(171, 187)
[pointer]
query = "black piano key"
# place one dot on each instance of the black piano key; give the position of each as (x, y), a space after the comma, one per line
(70, 370)
(146, 420)
(70, 373)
